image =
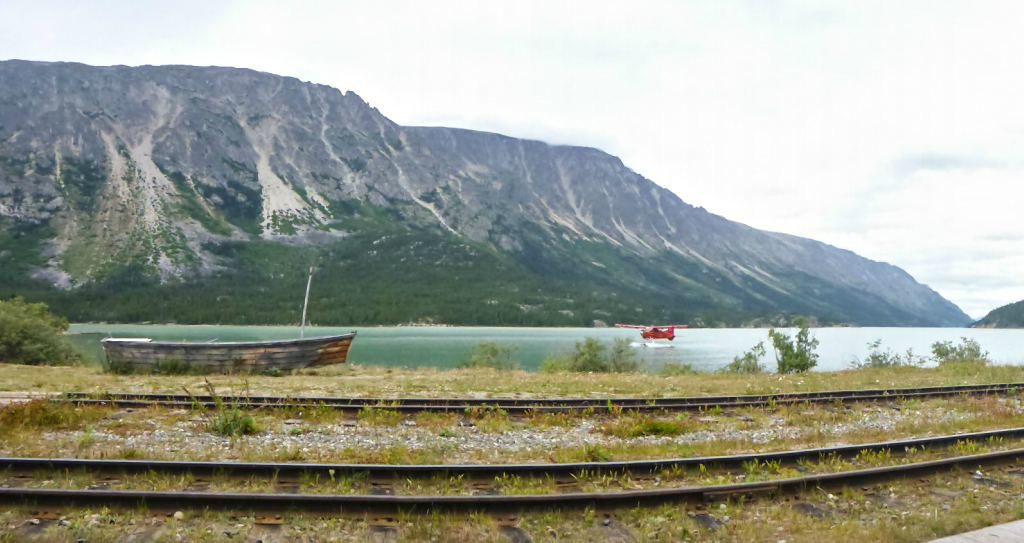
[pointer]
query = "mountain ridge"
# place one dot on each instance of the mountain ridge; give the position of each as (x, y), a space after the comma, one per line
(1008, 316)
(156, 166)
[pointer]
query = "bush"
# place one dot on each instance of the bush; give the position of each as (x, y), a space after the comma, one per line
(591, 355)
(231, 422)
(877, 358)
(226, 420)
(30, 334)
(622, 357)
(491, 355)
(969, 350)
(749, 362)
(795, 356)
(674, 369)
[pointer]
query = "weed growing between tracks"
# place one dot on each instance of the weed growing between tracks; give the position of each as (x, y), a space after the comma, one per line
(46, 415)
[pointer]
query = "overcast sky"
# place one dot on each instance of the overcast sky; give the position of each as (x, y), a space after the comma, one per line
(894, 129)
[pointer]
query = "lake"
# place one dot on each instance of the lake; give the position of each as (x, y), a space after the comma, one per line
(705, 348)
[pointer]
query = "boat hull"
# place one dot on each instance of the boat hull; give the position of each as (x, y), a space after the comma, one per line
(239, 357)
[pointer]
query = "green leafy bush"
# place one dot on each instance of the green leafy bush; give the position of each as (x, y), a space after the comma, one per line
(748, 362)
(622, 357)
(232, 422)
(591, 355)
(795, 355)
(491, 355)
(30, 334)
(673, 369)
(227, 420)
(969, 350)
(877, 358)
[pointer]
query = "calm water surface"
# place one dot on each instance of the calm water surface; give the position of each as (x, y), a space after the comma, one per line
(705, 348)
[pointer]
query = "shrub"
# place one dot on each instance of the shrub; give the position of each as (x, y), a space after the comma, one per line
(226, 420)
(30, 334)
(969, 350)
(795, 355)
(877, 358)
(622, 357)
(591, 355)
(491, 355)
(673, 369)
(748, 362)
(231, 422)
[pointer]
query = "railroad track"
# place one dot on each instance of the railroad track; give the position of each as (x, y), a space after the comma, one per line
(531, 405)
(403, 471)
(370, 503)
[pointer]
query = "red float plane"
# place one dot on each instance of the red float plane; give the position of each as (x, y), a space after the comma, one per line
(667, 331)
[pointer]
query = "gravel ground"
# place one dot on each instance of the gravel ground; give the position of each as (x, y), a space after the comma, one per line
(187, 438)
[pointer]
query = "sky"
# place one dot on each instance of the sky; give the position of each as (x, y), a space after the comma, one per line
(893, 129)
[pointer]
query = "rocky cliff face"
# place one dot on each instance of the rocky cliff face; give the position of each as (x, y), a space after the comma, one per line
(159, 165)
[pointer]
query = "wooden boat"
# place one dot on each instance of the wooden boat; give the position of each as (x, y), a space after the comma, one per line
(140, 355)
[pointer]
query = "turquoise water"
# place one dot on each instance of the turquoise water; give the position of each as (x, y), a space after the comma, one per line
(443, 347)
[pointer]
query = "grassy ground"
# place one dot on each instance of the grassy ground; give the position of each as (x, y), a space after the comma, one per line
(912, 510)
(352, 380)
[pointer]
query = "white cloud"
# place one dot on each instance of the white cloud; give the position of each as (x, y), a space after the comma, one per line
(889, 128)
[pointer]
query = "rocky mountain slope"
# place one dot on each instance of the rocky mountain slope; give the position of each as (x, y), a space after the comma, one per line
(1007, 316)
(178, 180)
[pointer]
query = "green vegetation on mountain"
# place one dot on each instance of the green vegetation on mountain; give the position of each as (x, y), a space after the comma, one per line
(1007, 316)
(387, 273)
(186, 194)
(384, 277)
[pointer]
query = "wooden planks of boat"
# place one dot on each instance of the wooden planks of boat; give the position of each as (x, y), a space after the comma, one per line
(142, 355)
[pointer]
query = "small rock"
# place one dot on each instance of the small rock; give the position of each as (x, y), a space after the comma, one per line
(34, 522)
(706, 520)
(178, 515)
(811, 510)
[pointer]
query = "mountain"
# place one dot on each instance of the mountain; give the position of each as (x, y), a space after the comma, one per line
(1007, 316)
(188, 194)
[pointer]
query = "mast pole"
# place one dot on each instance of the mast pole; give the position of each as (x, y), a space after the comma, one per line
(305, 304)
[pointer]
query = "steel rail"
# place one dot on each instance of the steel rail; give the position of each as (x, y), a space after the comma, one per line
(573, 402)
(268, 469)
(350, 503)
(521, 407)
